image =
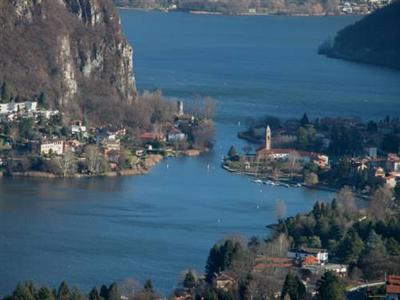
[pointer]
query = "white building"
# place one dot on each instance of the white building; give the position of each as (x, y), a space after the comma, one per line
(176, 136)
(300, 254)
(55, 147)
(78, 129)
(49, 113)
(13, 107)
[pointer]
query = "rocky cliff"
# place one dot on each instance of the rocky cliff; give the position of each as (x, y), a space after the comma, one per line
(73, 51)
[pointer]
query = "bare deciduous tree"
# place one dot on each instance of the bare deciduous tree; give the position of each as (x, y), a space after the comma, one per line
(346, 201)
(280, 209)
(380, 202)
(94, 159)
(66, 164)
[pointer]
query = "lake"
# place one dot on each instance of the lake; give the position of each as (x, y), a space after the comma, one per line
(94, 231)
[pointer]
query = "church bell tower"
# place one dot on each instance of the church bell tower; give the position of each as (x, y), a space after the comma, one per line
(268, 139)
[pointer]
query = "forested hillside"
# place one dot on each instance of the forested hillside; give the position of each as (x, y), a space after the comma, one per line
(375, 39)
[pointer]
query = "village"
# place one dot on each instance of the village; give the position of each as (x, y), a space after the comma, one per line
(330, 154)
(361, 7)
(36, 142)
(312, 264)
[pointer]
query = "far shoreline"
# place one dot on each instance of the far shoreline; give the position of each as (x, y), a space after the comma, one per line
(211, 13)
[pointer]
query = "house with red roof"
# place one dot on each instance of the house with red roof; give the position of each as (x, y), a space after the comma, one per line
(264, 262)
(393, 287)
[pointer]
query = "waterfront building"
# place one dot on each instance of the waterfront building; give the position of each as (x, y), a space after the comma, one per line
(268, 152)
(55, 147)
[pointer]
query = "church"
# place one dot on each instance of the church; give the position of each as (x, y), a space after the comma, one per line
(267, 152)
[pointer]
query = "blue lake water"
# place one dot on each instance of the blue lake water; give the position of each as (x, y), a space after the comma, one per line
(93, 231)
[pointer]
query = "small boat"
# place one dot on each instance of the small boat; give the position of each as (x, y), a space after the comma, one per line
(257, 181)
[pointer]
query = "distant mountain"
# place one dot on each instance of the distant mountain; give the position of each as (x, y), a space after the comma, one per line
(375, 39)
(71, 51)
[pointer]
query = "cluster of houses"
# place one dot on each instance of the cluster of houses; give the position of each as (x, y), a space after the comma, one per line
(170, 133)
(361, 7)
(387, 168)
(10, 111)
(109, 140)
(312, 261)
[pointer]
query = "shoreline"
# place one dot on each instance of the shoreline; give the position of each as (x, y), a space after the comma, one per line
(243, 14)
(284, 183)
(150, 162)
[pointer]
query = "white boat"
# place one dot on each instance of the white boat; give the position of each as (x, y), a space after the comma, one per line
(257, 181)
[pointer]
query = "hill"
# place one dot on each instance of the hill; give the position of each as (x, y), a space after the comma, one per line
(71, 52)
(375, 39)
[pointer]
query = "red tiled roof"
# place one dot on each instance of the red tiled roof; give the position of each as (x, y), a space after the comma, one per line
(265, 262)
(393, 284)
(265, 266)
(148, 136)
(394, 279)
(310, 260)
(392, 289)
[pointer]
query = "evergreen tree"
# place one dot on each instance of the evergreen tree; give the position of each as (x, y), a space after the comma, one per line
(94, 294)
(25, 291)
(293, 287)
(330, 287)
(350, 247)
(104, 292)
(76, 294)
(213, 265)
(232, 153)
(114, 292)
(45, 293)
(189, 281)
(148, 287)
(63, 291)
(304, 120)
(42, 99)
(254, 243)
(375, 242)
(5, 93)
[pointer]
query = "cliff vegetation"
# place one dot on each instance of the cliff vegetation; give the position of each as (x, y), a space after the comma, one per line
(72, 53)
